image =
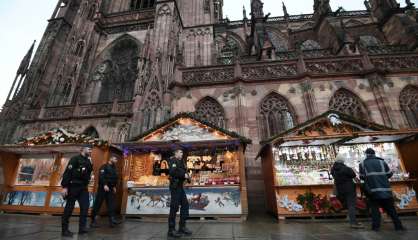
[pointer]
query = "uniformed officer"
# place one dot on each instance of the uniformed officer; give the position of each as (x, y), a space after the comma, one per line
(108, 180)
(75, 181)
(178, 175)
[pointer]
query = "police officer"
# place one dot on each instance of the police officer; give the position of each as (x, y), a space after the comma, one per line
(178, 175)
(108, 179)
(74, 184)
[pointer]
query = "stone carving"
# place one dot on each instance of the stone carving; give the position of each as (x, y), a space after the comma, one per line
(58, 113)
(95, 110)
(196, 77)
(395, 63)
(269, 71)
(335, 66)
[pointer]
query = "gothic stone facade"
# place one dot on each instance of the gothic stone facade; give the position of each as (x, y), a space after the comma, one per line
(115, 68)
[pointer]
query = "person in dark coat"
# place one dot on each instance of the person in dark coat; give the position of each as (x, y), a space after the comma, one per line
(75, 181)
(178, 175)
(375, 173)
(346, 189)
(108, 180)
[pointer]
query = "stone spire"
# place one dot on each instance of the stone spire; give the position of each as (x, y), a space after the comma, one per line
(285, 13)
(22, 71)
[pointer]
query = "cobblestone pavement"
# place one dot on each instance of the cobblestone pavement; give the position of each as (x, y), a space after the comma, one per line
(259, 228)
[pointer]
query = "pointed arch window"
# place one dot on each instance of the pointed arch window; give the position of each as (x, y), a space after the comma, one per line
(409, 104)
(276, 115)
(152, 111)
(345, 101)
(92, 12)
(209, 110)
(91, 132)
(123, 133)
(118, 72)
(79, 48)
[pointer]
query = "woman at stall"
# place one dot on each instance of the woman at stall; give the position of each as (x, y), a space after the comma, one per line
(346, 189)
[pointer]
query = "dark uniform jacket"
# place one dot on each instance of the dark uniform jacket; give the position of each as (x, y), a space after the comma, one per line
(343, 178)
(177, 172)
(78, 172)
(376, 173)
(108, 175)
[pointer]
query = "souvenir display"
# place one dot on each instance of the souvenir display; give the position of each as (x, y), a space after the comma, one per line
(35, 170)
(221, 168)
(311, 165)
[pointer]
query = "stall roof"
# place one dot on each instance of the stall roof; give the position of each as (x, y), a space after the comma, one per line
(185, 127)
(331, 124)
(39, 149)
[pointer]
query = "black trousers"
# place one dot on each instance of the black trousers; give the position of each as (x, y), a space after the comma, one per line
(349, 199)
(110, 203)
(178, 198)
(76, 193)
(389, 206)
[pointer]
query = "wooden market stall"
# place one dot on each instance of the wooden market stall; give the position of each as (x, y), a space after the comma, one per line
(33, 169)
(296, 164)
(215, 160)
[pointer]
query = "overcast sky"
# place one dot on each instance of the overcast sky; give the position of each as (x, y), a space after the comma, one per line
(22, 21)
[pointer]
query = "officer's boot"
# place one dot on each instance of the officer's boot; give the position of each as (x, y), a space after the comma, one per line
(65, 232)
(93, 223)
(113, 222)
(172, 233)
(184, 230)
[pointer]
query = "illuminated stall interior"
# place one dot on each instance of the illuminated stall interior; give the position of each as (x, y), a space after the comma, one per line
(301, 160)
(33, 170)
(214, 159)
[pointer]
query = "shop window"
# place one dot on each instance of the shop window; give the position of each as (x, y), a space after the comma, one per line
(91, 132)
(276, 115)
(347, 102)
(209, 110)
(35, 170)
(409, 105)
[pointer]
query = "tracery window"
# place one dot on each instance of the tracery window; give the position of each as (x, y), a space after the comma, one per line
(118, 72)
(209, 110)
(123, 133)
(409, 104)
(347, 102)
(276, 115)
(279, 43)
(310, 45)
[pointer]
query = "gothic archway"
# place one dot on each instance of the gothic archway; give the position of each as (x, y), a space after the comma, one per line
(408, 100)
(276, 115)
(345, 101)
(209, 110)
(115, 75)
(91, 132)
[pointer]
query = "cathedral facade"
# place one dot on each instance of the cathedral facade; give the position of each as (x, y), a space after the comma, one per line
(116, 68)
